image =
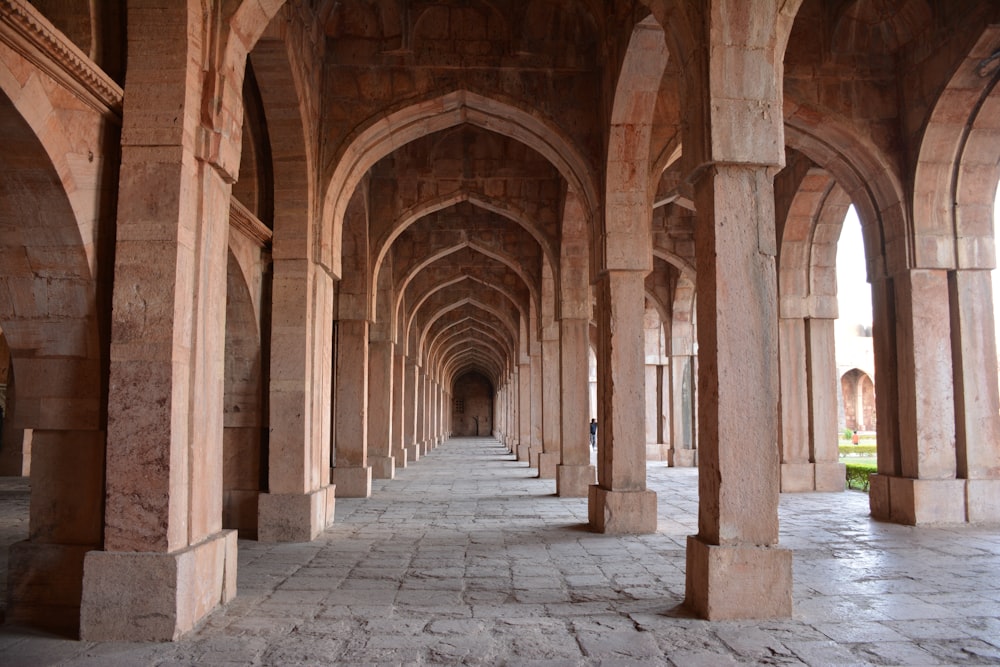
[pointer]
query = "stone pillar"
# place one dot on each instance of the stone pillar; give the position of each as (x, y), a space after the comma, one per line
(396, 432)
(166, 561)
(536, 406)
(620, 503)
(421, 437)
(380, 415)
(575, 474)
(524, 411)
(976, 400)
(652, 379)
(830, 474)
(683, 453)
(351, 473)
(548, 460)
(797, 472)
(926, 489)
(410, 411)
(734, 568)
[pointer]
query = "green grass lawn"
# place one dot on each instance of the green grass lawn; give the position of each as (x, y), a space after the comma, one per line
(859, 465)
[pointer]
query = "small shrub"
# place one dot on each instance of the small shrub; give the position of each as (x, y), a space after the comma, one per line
(857, 475)
(860, 450)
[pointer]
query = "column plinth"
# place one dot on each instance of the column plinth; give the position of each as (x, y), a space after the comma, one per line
(147, 596)
(740, 581)
(383, 467)
(295, 517)
(574, 481)
(621, 512)
(352, 481)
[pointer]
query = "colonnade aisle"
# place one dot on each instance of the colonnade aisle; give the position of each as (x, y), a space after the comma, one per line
(468, 558)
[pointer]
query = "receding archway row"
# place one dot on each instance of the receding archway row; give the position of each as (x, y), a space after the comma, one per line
(166, 395)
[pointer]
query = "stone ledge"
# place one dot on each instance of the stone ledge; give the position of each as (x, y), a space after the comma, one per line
(143, 596)
(621, 512)
(738, 582)
(295, 517)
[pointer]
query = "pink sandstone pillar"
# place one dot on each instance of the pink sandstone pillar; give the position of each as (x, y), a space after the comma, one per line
(683, 450)
(351, 473)
(734, 568)
(410, 411)
(380, 404)
(524, 411)
(421, 437)
(536, 405)
(829, 472)
(396, 433)
(548, 460)
(796, 469)
(977, 400)
(575, 474)
(166, 561)
(620, 503)
(926, 488)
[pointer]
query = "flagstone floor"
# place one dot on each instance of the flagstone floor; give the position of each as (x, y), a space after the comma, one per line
(468, 558)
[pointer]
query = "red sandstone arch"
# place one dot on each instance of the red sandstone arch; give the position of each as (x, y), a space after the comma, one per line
(958, 167)
(628, 204)
(505, 260)
(243, 415)
(379, 136)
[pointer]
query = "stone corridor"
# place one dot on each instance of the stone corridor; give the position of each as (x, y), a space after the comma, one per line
(468, 558)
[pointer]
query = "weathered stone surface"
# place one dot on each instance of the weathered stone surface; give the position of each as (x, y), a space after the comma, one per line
(733, 582)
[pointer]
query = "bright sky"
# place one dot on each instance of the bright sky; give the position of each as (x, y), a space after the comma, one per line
(854, 294)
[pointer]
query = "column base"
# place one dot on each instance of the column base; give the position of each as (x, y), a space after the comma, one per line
(738, 582)
(982, 500)
(621, 512)
(524, 454)
(413, 453)
(352, 481)
(295, 517)
(831, 477)
(143, 596)
(44, 585)
(548, 463)
(657, 451)
(383, 467)
(682, 458)
(400, 457)
(574, 481)
(917, 501)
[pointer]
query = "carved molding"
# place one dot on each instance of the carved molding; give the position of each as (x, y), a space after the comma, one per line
(30, 34)
(247, 224)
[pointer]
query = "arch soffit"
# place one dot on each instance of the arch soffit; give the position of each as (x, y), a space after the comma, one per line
(477, 347)
(461, 303)
(379, 136)
(471, 245)
(473, 362)
(628, 198)
(502, 208)
(952, 211)
(457, 334)
(871, 182)
(479, 329)
(411, 326)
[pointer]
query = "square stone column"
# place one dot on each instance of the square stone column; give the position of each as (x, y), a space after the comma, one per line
(524, 411)
(380, 390)
(734, 568)
(925, 488)
(548, 459)
(351, 473)
(797, 470)
(410, 396)
(683, 453)
(830, 473)
(396, 434)
(575, 474)
(535, 442)
(620, 503)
